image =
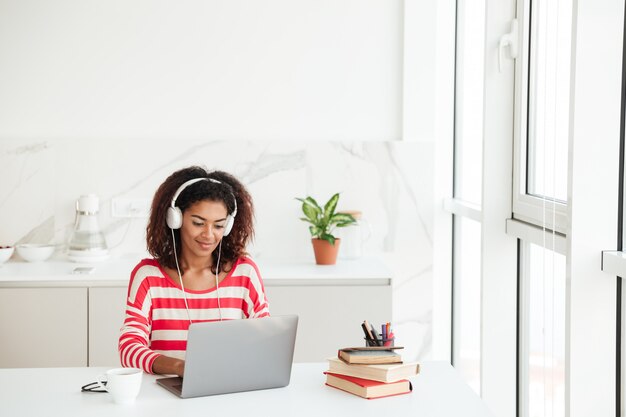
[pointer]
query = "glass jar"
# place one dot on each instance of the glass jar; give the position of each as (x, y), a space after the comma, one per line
(353, 237)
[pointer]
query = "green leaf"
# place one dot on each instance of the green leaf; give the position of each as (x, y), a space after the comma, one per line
(329, 238)
(344, 224)
(329, 208)
(342, 219)
(311, 201)
(323, 223)
(315, 231)
(310, 212)
(311, 209)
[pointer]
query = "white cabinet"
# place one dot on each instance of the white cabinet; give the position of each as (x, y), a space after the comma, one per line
(330, 316)
(43, 327)
(106, 316)
(50, 316)
(60, 327)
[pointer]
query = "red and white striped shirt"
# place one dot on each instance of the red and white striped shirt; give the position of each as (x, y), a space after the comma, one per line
(156, 320)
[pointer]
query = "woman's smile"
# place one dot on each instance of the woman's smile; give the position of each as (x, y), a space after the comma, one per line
(206, 245)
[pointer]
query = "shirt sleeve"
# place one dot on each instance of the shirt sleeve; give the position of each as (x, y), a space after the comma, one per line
(259, 306)
(134, 341)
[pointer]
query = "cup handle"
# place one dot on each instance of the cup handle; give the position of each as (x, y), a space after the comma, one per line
(100, 380)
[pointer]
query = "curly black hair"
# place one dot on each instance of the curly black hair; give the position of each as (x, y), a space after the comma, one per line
(159, 235)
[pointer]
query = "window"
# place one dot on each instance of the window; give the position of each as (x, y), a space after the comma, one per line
(466, 293)
(468, 148)
(541, 144)
(469, 101)
(542, 332)
(540, 201)
(564, 321)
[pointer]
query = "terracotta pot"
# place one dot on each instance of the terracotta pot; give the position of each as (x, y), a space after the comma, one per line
(325, 253)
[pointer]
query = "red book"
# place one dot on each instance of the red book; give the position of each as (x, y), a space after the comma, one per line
(367, 388)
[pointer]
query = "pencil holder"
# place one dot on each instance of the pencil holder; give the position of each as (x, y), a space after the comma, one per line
(386, 342)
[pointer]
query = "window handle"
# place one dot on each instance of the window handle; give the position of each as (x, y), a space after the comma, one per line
(511, 40)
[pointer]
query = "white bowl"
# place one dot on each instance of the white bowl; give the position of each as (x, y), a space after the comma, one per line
(34, 252)
(5, 253)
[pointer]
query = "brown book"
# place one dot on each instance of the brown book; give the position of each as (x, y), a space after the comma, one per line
(378, 372)
(368, 356)
(367, 388)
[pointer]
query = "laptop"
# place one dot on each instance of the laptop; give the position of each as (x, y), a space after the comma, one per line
(236, 355)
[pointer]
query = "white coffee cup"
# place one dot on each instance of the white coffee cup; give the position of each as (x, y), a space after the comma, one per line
(122, 383)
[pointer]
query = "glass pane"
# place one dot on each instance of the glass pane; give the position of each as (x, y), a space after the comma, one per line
(548, 99)
(466, 300)
(543, 332)
(470, 41)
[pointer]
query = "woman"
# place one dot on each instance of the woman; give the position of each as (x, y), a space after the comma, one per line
(200, 223)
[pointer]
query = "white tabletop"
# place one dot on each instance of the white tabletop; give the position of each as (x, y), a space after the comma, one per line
(437, 391)
(116, 272)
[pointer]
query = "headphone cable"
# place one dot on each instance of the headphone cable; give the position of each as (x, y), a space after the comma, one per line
(217, 285)
(180, 277)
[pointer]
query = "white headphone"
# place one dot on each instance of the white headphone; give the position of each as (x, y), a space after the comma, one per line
(174, 215)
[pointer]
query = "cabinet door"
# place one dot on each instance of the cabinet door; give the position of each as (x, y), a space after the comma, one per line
(106, 316)
(43, 327)
(330, 317)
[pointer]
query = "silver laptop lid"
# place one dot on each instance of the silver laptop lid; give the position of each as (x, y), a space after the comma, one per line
(239, 355)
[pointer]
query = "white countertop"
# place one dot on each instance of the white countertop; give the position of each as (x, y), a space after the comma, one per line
(437, 391)
(116, 272)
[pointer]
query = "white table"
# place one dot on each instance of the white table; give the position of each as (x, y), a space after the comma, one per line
(437, 391)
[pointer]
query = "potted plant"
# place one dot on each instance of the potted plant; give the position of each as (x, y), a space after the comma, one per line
(322, 223)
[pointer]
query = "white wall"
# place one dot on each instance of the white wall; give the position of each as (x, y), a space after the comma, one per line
(424, 46)
(295, 97)
(210, 69)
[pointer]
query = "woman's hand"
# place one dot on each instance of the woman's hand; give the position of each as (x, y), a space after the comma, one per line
(166, 365)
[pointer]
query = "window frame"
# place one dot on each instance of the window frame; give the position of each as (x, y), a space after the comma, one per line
(549, 213)
(460, 207)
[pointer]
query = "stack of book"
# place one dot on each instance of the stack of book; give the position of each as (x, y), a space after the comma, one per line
(370, 372)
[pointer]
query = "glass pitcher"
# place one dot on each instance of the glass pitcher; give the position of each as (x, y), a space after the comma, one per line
(87, 242)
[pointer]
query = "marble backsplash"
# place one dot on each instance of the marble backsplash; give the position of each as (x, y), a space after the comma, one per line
(390, 182)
